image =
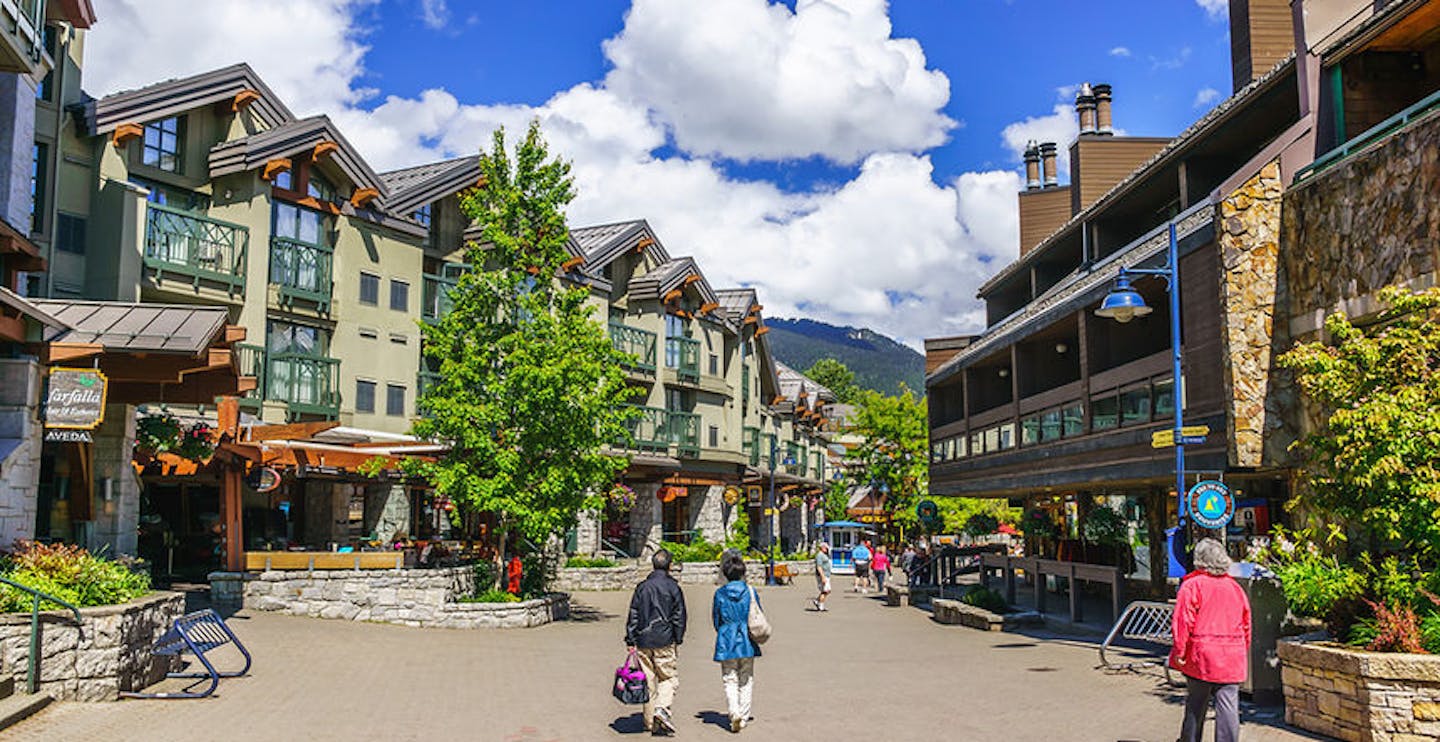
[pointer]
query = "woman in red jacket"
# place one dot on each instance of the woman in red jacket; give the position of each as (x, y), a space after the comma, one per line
(1212, 643)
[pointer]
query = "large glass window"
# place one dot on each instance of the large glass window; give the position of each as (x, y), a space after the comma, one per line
(1050, 425)
(306, 265)
(977, 444)
(394, 400)
(1072, 419)
(364, 396)
(161, 146)
(1135, 405)
(319, 188)
(1105, 413)
(290, 378)
(1030, 430)
(1007, 436)
(1164, 399)
(300, 224)
(992, 440)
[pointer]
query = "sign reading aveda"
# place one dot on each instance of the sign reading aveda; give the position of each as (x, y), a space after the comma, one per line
(75, 399)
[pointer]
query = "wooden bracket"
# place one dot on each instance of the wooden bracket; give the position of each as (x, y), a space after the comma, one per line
(761, 331)
(275, 167)
(643, 243)
(709, 307)
(672, 295)
(692, 278)
(125, 132)
(324, 148)
(362, 196)
(243, 99)
(573, 263)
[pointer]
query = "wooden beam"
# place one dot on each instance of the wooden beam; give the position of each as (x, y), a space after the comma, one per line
(54, 353)
(12, 329)
(124, 133)
(692, 278)
(275, 167)
(290, 432)
(778, 399)
(243, 99)
(324, 148)
(234, 333)
(672, 295)
(756, 308)
(363, 196)
(643, 243)
(709, 307)
(751, 320)
(573, 263)
(761, 331)
(231, 503)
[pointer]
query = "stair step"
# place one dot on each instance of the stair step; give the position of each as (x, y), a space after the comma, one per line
(20, 706)
(7, 687)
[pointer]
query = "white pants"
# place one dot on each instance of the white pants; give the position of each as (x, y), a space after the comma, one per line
(738, 676)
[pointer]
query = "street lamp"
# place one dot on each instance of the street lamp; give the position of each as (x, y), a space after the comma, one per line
(770, 511)
(1123, 304)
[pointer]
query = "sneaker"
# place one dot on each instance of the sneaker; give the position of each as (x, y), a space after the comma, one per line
(816, 603)
(736, 724)
(664, 727)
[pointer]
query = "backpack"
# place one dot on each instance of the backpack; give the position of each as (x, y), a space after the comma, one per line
(630, 682)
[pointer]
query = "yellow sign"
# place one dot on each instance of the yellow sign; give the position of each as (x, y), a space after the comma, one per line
(1166, 438)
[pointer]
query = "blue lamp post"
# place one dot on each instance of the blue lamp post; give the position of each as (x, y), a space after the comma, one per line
(770, 511)
(1123, 304)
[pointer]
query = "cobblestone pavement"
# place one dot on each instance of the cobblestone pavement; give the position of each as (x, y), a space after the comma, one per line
(861, 671)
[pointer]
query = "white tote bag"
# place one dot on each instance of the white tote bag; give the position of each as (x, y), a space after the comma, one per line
(758, 624)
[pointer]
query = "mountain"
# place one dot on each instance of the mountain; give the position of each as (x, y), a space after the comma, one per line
(879, 363)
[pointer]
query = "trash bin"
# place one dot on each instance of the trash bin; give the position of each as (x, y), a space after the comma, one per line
(1267, 613)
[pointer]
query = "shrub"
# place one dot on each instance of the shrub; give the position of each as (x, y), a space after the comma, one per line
(1395, 628)
(984, 597)
(1315, 584)
(70, 573)
(739, 538)
(698, 550)
(492, 595)
(588, 562)
(981, 524)
(1104, 526)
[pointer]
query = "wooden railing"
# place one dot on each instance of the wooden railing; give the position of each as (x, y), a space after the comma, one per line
(197, 248)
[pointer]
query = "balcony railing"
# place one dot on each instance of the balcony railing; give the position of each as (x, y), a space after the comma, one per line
(301, 270)
(436, 301)
(635, 342)
(750, 445)
(767, 449)
(657, 429)
(683, 355)
(309, 384)
(251, 361)
(1370, 136)
(196, 248)
(685, 431)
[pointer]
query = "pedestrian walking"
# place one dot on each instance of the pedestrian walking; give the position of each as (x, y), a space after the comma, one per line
(823, 569)
(735, 649)
(880, 566)
(907, 557)
(861, 556)
(655, 629)
(1211, 629)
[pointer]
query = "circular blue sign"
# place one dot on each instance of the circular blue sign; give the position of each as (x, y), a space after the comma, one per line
(1211, 504)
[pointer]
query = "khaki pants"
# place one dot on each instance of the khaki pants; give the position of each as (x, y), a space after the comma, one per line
(738, 675)
(662, 672)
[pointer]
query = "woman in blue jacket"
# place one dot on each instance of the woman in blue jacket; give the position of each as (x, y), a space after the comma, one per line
(734, 649)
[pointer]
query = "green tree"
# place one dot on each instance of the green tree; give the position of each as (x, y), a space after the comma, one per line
(1374, 462)
(966, 514)
(837, 497)
(531, 391)
(894, 454)
(835, 376)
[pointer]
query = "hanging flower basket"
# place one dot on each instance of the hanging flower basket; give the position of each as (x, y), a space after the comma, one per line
(163, 433)
(621, 497)
(1039, 524)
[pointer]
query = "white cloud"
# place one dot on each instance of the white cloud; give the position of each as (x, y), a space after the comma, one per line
(750, 80)
(1206, 97)
(435, 13)
(1216, 9)
(1172, 62)
(1060, 126)
(1120, 51)
(891, 249)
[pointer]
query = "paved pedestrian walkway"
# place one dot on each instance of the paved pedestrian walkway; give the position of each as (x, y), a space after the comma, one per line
(861, 671)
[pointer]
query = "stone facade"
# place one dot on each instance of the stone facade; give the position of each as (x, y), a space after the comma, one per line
(1248, 233)
(117, 504)
(20, 470)
(108, 653)
(691, 573)
(1361, 696)
(426, 598)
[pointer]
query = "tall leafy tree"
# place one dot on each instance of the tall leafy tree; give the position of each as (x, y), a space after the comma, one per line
(835, 376)
(531, 392)
(894, 454)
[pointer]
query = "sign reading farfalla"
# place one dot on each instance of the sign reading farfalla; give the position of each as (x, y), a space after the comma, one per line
(76, 399)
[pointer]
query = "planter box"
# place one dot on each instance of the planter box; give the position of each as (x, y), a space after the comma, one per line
(691, 573)
(1357, 695)
(946, 611)
(109, 652)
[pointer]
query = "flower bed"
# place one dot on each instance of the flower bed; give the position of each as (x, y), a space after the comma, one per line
(1357, 695)
(691, 573)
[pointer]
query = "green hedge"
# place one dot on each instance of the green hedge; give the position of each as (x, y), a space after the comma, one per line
(69, 573)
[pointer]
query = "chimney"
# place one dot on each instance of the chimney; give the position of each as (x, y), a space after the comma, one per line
(1103, 119)
(1032, 166)
(1261, 34)
(1047, 160)
(1085, 107)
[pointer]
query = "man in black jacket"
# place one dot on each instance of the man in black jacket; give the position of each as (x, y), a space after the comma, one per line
(655, 630)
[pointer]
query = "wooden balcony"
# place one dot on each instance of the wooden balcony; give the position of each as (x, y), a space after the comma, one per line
(195, 250)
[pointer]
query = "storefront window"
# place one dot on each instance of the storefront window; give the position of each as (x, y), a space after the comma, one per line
(992, 440)
(1135, 405)
(977, 444)
(1104, 413)
(1030, 430)
(1072, 419)
(1050, 425)
(1164, 398)
(1007, 436)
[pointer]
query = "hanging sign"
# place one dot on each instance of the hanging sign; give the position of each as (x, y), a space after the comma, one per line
(669, 494)
(1211, 504)
(754, 494)
(263, 479)
(732, 495)
(75, 399)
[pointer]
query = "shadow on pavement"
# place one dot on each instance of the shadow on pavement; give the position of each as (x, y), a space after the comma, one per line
(581, 613)
(716, 718)
(632, 724)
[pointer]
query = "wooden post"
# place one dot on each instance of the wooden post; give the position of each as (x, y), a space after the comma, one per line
(231, 503)
(1075, 612)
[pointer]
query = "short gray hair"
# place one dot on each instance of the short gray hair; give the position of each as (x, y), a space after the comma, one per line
(1210, 556)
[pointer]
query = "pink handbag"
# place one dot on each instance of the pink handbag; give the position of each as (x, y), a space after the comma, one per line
(630, 682)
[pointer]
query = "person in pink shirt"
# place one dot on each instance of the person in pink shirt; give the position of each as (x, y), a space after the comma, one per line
(880, 567)
(1211, 627)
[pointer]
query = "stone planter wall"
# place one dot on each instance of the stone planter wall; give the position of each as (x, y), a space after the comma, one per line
(1356, 695)
(109, 652)
(571, 579)
(408, 597)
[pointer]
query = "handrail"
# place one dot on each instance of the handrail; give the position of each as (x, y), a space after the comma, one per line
(32, 671)
(1367, 137)
(606, 543)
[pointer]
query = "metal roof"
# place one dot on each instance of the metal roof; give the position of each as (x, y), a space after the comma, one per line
(603, 243)
(252, 152)
(413, 188)
(176, 96)
(152, 328)
(737, 302)
(793, 382)
(669, 276)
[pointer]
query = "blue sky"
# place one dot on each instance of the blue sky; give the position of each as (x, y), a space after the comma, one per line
(856, 161)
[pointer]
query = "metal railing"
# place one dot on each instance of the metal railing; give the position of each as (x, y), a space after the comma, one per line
(1142, 621)
(194, 247)
(309, 384)
(635, 342)
(656, 429)
(301, 270)
(435, 296)
(750, 445)
(683, 355)
(685, 432)
(32, 669)
(1370, 136)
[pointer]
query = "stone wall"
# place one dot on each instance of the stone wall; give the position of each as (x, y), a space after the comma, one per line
(1249, 244)
(1354, 695)
(118, 514)
(108, 653)
(691, 573)
(20, 470)
(409, 597)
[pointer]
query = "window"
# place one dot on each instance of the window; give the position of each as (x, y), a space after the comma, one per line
(162, 145)
(422, 215)
(957, 447)
(1072, 419)
(284, 180)
(992, 440)
(38, 186)
(714, 436)
(319, 188)
(47, 86)
(295, 223)
(365, 396)
(369, 288)
(394, 399)
(399, 295)
(1050, 426)
(1105, 413)
(1164, 398)
(294, 372)
(977, 444)
(714, 365)
(179, 198)
(1030, 430)
(1007, 436)
(1135, 405)
(70, 234)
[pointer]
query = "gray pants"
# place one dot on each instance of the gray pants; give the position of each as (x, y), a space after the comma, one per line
(1227, 710)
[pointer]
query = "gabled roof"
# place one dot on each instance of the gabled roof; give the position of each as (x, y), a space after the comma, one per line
(669, 276)
(792, 383)
(177, 96)
(151, 328)
(414, 187)
(252, 152)
(602, 244)
(736, 303)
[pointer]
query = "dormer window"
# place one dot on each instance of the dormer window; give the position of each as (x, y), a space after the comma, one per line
(284, 180)
(161, 147)
(318, 188)
(422, 216)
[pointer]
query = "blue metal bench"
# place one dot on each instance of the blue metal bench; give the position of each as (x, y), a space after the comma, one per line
(197, 633)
